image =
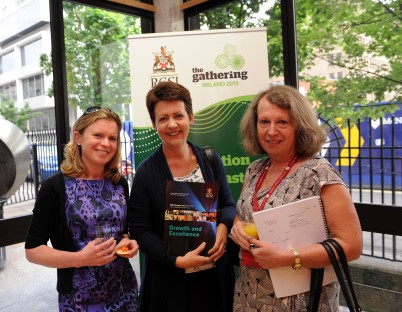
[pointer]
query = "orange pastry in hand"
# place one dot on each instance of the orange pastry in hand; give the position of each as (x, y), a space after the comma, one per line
(123, 250)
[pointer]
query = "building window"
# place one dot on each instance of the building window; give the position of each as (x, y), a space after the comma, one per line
(48, 119)
(9, 91)
(30, 53)
(33, 86)
(7, 62)
(340, 75)
(331, 75)
(44, 119)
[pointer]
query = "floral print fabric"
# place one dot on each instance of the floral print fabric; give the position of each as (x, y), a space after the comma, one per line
(112, 287)
(253, 289)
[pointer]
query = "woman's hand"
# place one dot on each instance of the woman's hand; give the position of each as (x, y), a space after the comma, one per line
(219, 248)
(132, 246)
(98, 254)
(193, 259)
(269, 256)
(239, 236)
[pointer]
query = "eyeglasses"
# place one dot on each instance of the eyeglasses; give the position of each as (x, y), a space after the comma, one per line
(93, 109)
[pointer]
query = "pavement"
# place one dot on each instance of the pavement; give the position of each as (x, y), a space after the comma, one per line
(28, 287)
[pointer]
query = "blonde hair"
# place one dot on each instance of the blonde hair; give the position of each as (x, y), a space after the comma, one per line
(310, 136)
(73, 165)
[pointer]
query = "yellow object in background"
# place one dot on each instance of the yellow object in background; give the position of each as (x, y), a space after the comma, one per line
(250, 229)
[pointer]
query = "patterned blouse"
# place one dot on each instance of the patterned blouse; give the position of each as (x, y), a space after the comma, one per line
(112, 287)
(253, 289)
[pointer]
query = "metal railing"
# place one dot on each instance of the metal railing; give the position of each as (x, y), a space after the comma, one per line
(370, 162)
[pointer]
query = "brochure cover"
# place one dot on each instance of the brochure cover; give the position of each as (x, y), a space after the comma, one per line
(190, 217)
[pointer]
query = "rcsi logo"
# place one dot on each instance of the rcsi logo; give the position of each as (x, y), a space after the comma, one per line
(163, 67)
(209, 193)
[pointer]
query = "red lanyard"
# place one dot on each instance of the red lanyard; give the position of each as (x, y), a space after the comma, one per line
(285, 172)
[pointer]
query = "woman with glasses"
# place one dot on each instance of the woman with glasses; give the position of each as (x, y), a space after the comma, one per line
(70, 208)
(190, 282)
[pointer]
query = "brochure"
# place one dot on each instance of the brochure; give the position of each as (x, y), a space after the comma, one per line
(190, 217)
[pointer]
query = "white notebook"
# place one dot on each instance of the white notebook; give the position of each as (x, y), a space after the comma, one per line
(294, 225)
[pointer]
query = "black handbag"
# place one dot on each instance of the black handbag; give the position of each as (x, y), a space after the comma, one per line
(317, 276)
(232, 249)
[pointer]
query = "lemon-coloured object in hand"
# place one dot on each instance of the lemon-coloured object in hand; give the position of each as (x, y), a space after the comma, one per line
(250, 229)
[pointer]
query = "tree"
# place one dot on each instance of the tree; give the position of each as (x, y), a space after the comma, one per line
(97, 61)
(364, 30)
(16, 116)
(235, 14)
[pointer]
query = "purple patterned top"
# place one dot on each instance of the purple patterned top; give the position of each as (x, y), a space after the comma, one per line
(112, 287)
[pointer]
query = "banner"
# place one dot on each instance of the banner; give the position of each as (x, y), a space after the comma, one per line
(223, 69)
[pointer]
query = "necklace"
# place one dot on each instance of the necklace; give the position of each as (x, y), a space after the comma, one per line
(260, 180)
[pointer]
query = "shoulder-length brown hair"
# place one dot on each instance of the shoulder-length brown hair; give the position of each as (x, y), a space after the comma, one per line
(73, 165)
(310, 136)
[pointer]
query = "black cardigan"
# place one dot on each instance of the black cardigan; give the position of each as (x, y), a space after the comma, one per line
(162, 281)
(49, 223)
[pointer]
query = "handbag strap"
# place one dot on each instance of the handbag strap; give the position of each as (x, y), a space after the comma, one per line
(317, 276)
(353, 306)
(212, 161)
(345, 266)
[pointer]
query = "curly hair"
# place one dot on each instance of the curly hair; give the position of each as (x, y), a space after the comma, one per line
(73, 164)
(310, 136)
(168, 91)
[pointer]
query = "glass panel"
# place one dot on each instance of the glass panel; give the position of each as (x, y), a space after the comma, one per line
(351, 72)
(24, 35)
(38, 85)
(346, 55)
(31, 52)
(97, 60)
(7, 62)
(25, 87)
(9, 91)
(31, 86)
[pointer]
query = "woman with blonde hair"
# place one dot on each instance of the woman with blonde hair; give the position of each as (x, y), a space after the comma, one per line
(71, 205)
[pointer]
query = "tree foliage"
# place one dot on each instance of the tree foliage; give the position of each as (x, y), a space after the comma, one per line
(14, 115)
(97, 60)
(368, 32)
(236, 14)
